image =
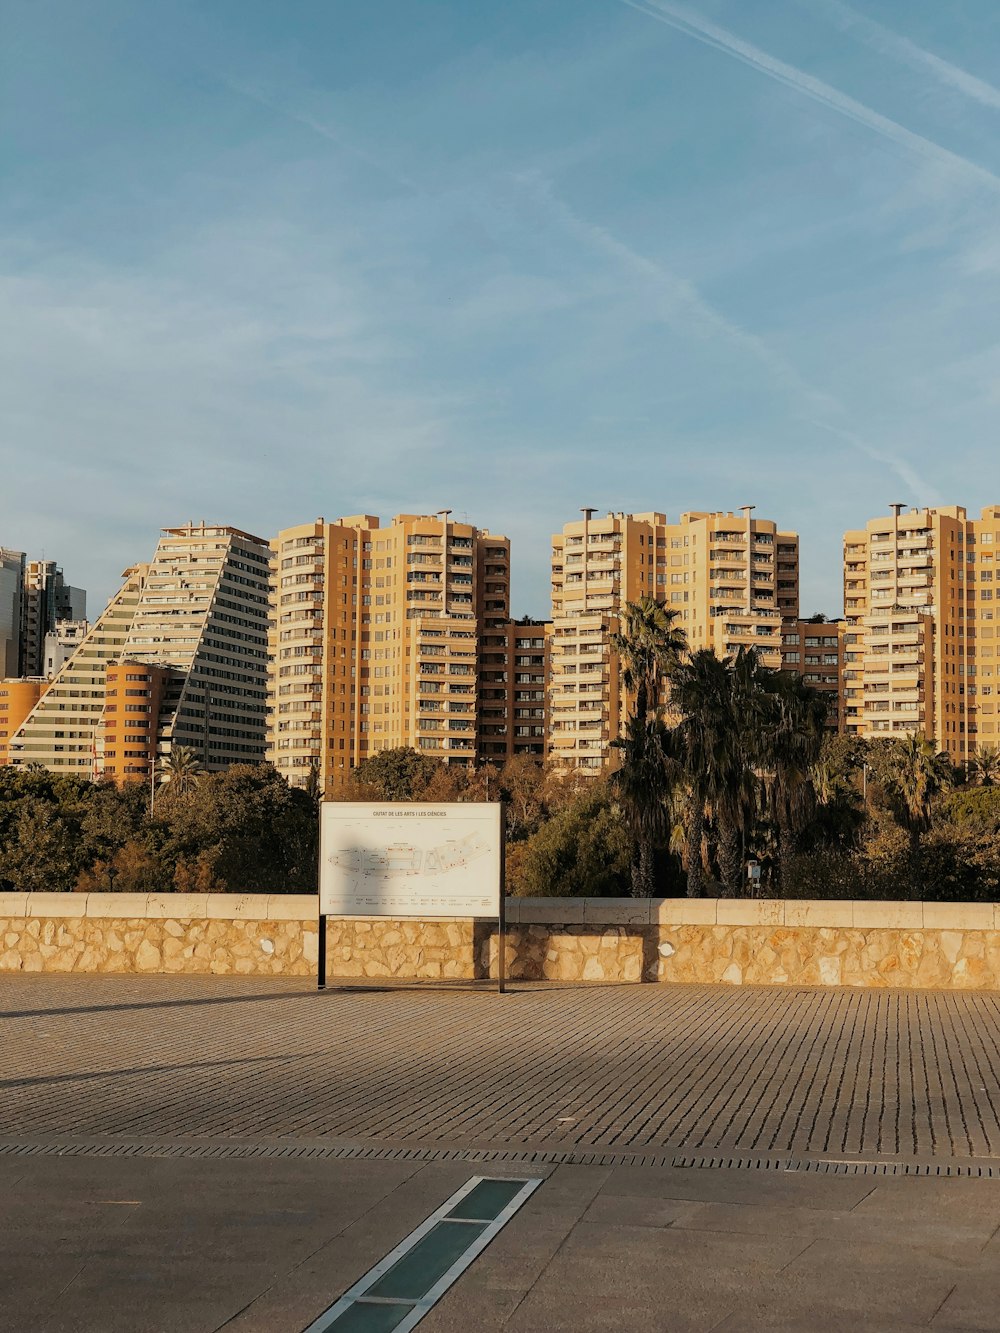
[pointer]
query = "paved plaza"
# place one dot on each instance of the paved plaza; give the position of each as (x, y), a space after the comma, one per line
(202, 1153)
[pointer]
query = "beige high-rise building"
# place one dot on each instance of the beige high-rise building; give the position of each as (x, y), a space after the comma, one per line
(376, 640)
(921, 637)
(179, 657)
(731, 578)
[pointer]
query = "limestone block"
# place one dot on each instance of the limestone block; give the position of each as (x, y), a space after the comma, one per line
(552, 911)
(733, 975)
(147, 957)
(821, 914)
(310, 946)
(616, 911)
(173, 928)
(236, 906)
(958, 916)
(123, 905)
(951, 942)
(750, 912)
(10, 961)
(15, 904)
(888, 916)
(684, 911)
(292, 907)
(58, 904)
(180, 906)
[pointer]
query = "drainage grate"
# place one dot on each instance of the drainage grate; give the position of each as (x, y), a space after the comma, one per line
(395, 1295)
(226, 1150)
(834, 1167)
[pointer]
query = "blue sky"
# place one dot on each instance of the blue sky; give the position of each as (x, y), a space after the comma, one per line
(262, 261)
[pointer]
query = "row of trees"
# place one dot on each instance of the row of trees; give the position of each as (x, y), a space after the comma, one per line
(244, 830)
(725, 761)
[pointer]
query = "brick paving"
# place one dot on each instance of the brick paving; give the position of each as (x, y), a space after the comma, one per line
(838, 1073)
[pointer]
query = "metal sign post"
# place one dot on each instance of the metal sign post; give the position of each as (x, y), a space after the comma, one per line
(412, 860)
(502, 904)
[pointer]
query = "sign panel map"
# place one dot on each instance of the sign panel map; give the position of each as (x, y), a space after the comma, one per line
(410, 860)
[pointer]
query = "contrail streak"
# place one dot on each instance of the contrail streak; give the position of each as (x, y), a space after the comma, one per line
(720, 39)
(684, 306)
(883, 39)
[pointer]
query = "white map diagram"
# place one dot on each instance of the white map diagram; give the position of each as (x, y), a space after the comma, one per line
(410, 860)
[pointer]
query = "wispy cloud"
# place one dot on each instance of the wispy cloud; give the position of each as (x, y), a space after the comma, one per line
(685, 307)
(323, 128)
(721, 39)
(890, 43)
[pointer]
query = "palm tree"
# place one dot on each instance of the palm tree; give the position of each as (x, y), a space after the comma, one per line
(180, 769)
(917, 774)
(644, 783)
(649, 645)
(789, 750)
(984, 767)
(715, 699)
(313, 785)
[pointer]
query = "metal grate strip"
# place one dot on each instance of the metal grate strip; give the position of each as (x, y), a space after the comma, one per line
(230, 1151)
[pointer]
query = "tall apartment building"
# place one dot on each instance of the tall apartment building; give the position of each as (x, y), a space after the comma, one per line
(11, 611)
(514, 666)
(179, 657)
(48, 600)
(376, 638)
(921, 636)
(731, 578)
(815, 650)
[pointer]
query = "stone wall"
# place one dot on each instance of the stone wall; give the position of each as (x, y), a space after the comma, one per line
(938, 945)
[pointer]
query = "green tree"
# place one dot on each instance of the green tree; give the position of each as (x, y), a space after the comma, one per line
(914, 774)
(244, 830)
(583, 850)
(392, 775)
(43, 854)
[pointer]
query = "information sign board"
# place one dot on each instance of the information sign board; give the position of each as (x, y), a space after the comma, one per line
(410, 860)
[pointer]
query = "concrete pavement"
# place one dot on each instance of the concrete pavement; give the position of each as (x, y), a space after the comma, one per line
(196, 1155)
